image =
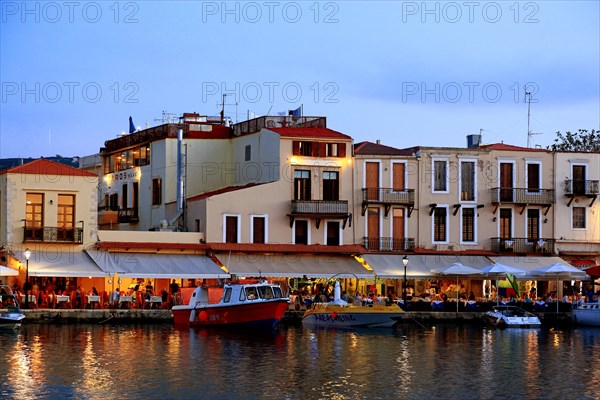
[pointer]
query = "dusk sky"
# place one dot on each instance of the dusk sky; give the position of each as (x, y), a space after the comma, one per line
(407, 73)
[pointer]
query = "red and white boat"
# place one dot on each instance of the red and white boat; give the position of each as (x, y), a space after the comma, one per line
(248, 304)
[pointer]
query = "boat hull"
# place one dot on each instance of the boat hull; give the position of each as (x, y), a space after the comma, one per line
(511, 317)
(587, 314)
(11, 320)
(260, 314)
(330, 316)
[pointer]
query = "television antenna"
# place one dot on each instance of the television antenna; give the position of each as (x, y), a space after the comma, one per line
(223, 104)
(529, 133)
(166, 117)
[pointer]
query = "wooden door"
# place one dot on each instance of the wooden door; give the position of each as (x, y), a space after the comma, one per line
(372, 180)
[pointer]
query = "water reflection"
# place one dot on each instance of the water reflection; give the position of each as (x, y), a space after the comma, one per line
(411, 362)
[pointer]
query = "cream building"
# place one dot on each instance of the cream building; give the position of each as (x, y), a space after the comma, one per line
(577, 212)
(49, 209)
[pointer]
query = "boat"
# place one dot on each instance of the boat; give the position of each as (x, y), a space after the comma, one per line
(340, 314)
(255, 304)
(587, 314)
(10, 313)
(503, 316)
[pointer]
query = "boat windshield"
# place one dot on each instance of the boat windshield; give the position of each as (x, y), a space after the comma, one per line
(251, 293)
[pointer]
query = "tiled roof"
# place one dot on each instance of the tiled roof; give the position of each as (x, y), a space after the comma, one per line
(317, 133)
(42, 166)
(220, 191)
(369, 148)
(510, 147)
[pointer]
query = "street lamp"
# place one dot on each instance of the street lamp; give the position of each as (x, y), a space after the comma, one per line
(405, 263)
(27, 255)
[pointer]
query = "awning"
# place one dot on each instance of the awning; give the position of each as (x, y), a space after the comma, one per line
(5, 271)
(293, 265)
(419, 266)
(62, 264)
(158, 266)
(530, 264)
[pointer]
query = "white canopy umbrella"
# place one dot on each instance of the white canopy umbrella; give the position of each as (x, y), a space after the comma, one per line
(497, 270)
(563, 271)
(458, 269)
(5, 271)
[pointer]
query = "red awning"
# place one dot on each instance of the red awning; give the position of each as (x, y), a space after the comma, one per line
(594, 271)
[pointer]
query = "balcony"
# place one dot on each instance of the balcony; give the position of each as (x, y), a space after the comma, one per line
(388, 197)
(128, 215)
(388, 244)
(319, 209)
(523, 196)
(542, 246)
(51, 234)
(574, 188)
(107, 215)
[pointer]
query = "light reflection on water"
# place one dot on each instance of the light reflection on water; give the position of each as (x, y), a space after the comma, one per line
(410, 362)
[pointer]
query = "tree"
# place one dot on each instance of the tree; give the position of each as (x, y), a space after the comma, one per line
(582, 141)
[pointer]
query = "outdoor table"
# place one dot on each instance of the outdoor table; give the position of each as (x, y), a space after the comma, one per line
(126, 301)
(93, 301)
(153, 300)
(62, 301)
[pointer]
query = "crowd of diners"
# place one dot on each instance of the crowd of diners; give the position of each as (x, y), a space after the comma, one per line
(442, 295)
(61, 293)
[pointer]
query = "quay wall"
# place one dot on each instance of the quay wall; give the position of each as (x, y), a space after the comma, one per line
(290, 317)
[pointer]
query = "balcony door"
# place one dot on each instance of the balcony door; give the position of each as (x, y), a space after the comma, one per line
(398, 227)
(373, 234)
(372, 180)
(579, 179)
(398, 171)
(66, 217)
(34, 216)
(506, 182)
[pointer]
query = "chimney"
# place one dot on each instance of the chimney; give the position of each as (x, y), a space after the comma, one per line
(378, 141)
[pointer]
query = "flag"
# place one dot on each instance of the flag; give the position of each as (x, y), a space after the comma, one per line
(513, 282)
(131, 125)
(297, 112)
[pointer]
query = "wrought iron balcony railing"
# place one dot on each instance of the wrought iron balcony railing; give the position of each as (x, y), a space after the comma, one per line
(388, 196)
(319, 207)
(388, 244)
(128, 215)
(523, 245)
(53, 234)
(523, 196)
(581, 188)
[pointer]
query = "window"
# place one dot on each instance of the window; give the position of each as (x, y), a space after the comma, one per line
(34, 216)
(66, 217)
(302, 185)
(440, 176)
(467, 181)
(333, 233)
(248, 153)
(331, 150)
(578, 218)
(156, 192)
(232, 229)
(468, 225)
(533, 177)
(124, 198)
(259, 229)
(439, 224)
(227, 295)
(533, 224)
(301, 232)
(331, 186)
(305, 148)
(505, 223)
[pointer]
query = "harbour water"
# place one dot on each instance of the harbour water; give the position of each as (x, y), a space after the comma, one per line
(449, 361)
